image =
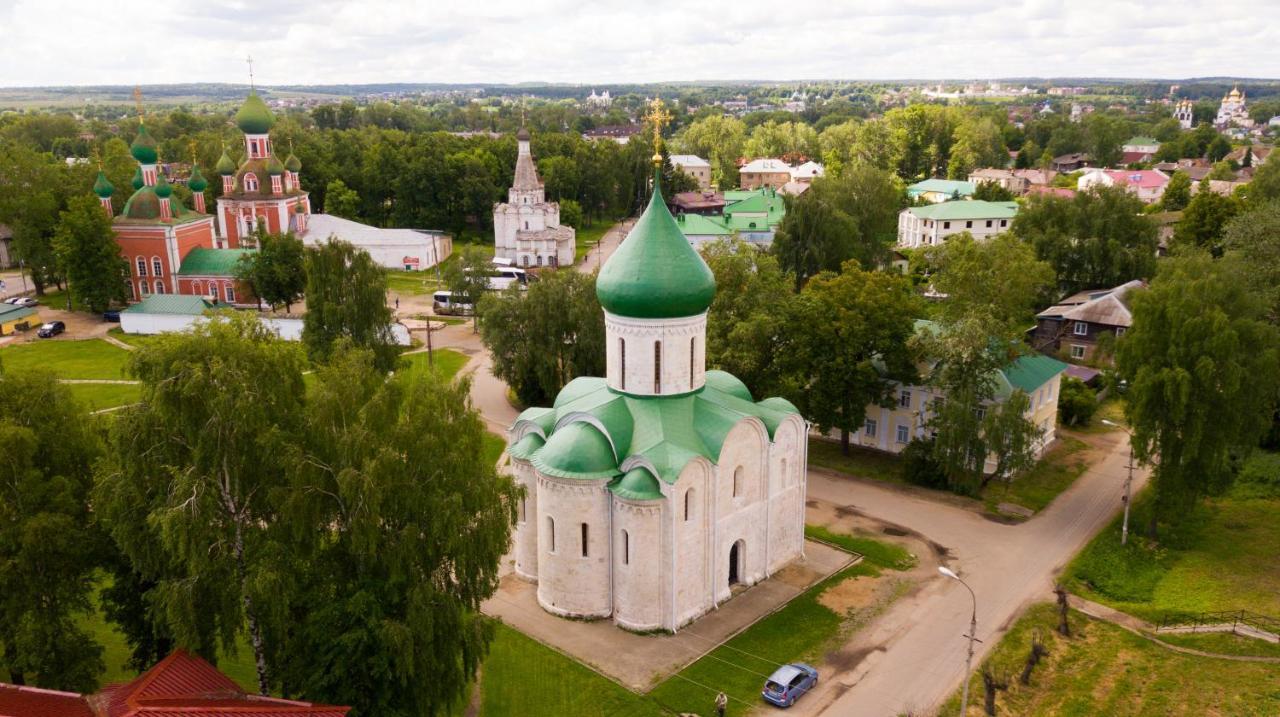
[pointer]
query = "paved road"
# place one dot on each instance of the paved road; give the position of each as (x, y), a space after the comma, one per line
(596, 258)
(915, 651)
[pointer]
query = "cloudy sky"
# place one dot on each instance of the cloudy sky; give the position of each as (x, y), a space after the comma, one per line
(86, 42)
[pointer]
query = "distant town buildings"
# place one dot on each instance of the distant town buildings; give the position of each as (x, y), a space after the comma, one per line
(752, 215)
(941, 190)
(1232, 111)
(1067, 91)
(526, 227)
(1147, 184)
(931, 225)
(600, 101)
(777, 174)
(1074, 326)
(620, 133)
(1005, 178)
(1184, 112)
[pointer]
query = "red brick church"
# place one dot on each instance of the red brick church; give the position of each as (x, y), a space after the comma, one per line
(175, 249)
(181, 684)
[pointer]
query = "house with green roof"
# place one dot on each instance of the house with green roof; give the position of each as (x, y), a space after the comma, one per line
(749, 214)
(941, 190)
(892, 428)
(652, 491)
(931, 225)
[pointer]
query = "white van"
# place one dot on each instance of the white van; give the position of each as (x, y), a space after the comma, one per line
(444, 303)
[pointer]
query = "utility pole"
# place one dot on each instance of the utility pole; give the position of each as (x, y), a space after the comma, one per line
(972, 637)
(1128, 483)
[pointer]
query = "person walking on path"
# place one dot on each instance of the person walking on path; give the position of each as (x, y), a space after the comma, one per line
(722, 701)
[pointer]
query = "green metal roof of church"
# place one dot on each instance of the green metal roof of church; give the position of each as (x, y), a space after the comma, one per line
(700, 225)
(666, 431)
(211, 262)
(655, 274)
(182, 304)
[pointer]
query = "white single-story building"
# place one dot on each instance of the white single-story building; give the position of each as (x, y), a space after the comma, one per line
(174, 313)
(406, 249)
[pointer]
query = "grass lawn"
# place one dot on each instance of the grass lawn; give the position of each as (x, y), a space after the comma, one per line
(524, 677)
(1054, 473)
(861, 462)
(494, 445)
(1105, 670)
(586, 237)
(1222, 643)
(135, 340)
(881, 554)
(447, 362)
(91, 358)
(97, 396)
(1223, 557)
(1112, 409)
(412, 282)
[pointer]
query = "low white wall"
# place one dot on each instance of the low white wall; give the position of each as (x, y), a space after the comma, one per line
(132, 322)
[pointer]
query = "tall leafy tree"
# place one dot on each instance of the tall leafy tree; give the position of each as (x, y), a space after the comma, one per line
(1265, 186)
(854, 216)
(276, 272)
(545, 337)
(1255, 236)
(1204, 219)
(400, 525)
(48, 547)
(1202, 366)
(341, 201)
(187, 485)
(347, 299)
(89, 256)
(1177, 193)
(31, 195)
(747, 321)
(998, 277)
(468, 276)
(849, 339)
(1098, 239)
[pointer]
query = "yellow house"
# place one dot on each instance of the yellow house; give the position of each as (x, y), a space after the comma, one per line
(1039, 376)
(16, 318)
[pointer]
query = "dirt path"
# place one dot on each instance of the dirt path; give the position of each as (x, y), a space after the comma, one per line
(1144, 629)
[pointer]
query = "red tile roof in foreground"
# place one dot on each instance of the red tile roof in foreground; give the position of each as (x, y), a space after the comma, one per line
(181, 685)
(18, 701)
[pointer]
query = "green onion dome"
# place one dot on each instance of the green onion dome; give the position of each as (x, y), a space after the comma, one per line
(578, 450)
(637, 484)
(293, 164)
(144, 204)
(254, 117)
(143, 148)
(225, 166)
(163, 188)
(197, 181)
(102, 187)
(655, 274)
(137, 180)
(274, 166)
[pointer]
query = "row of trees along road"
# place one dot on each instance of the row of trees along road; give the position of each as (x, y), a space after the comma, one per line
(346, 532)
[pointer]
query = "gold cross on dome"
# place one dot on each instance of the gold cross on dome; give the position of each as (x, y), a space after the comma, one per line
(249, 59)
(192, 146)
(137, 101)
(660, 117)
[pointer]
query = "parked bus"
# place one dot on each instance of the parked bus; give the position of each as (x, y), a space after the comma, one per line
(444, 303)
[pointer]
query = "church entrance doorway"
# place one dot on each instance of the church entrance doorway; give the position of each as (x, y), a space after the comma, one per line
(735, 559)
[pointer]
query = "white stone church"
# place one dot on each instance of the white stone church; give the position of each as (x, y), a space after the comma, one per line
(526, 228)
(654, 491)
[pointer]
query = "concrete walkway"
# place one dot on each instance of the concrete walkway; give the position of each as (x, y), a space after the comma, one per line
(914, 653)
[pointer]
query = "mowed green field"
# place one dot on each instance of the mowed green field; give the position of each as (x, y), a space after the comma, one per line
(447, 362)
(90, 358)
(100, 396)
(1105, 670)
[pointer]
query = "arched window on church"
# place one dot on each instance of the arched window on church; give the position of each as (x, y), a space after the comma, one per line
(551, 533)
(786, 479)
(657, 367)
(142, 266)
(584, 540)
(157, 267)
(523, 507)
(693, 351)
(250, 182)
(737, 482)
(526, 225)
(688, 504)
(622, 362)
(626, 548)
(143, 287)
(159, 287)
(229, 293)
(196, 288)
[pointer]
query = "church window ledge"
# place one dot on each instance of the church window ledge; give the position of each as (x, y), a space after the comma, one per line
(157, 267)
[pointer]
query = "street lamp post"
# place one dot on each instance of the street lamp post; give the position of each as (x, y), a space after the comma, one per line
(972, 636)
(1128, 483)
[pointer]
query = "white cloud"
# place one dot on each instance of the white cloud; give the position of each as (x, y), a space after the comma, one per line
(75, 42)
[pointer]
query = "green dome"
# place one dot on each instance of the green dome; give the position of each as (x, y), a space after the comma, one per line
(293, 164)
(143, 148)
(637, 484)
(254, 117)
(102, 187)
(225, 166)
(579, 450)
(137, 180)
(163, 188)
(196, 182)
(274, 166)
(144, 204)
(655, 274)
(728, 383)
(525, 447)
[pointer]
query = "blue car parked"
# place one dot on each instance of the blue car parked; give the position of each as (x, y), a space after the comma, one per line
(788, 682)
